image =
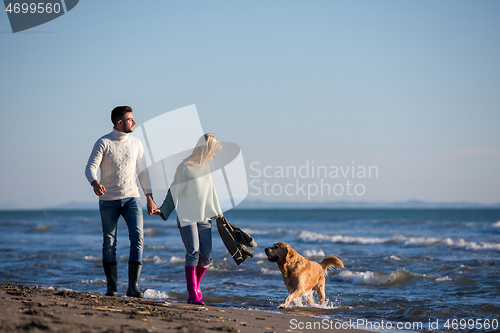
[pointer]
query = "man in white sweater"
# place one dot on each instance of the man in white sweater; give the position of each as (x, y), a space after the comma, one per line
(121, 160)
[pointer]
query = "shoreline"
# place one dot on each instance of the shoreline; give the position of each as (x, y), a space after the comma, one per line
(33, 309)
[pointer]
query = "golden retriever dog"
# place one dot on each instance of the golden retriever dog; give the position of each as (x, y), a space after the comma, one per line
(301, 276)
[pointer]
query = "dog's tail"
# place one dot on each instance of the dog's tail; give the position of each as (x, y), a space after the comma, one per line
(331, 262)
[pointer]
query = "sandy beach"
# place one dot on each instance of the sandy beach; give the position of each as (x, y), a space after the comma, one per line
(33, 309)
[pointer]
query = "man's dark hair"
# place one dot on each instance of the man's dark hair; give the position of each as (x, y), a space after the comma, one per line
(118, 113)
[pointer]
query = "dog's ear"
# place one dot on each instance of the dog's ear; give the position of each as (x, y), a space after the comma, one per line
(290, 252)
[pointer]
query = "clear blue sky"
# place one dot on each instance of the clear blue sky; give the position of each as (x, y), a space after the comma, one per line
(412, 87)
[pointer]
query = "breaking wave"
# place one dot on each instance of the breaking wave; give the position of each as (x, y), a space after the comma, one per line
(158, 260)
(314, 254)
(398, 278)
(309, 236)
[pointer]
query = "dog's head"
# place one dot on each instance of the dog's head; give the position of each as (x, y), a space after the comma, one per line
(279, 252)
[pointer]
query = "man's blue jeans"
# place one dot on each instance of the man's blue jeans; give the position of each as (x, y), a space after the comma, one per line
(130, 209)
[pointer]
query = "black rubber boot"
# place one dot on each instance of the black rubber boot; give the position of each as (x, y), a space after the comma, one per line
(134, 271)
(111, 271)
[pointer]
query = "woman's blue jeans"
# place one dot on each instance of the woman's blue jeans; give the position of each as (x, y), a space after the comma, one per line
(197, 239)
(130, 209)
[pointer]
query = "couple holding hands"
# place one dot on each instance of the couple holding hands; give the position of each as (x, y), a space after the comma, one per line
(120, 158)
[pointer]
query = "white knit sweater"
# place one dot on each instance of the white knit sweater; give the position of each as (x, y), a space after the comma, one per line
(120, 157)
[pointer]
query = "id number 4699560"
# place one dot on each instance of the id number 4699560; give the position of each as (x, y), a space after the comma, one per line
(478, 324)
(32, 8)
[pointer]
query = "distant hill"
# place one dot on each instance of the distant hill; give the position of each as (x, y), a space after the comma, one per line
(414, 204)
(77, 205)
(256, 204)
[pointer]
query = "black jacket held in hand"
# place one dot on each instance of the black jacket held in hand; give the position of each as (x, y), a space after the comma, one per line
(235, 240)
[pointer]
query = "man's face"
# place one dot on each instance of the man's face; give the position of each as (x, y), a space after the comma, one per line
(128, 123)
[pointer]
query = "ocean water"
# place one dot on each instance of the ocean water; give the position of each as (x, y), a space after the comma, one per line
(407, 269)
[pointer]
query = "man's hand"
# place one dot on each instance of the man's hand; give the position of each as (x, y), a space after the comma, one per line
(152, 208)
(157, 212)
(99, 189)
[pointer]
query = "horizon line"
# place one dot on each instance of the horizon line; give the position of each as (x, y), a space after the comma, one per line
(254, 204)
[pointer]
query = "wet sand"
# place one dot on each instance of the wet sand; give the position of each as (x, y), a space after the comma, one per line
(32, 309)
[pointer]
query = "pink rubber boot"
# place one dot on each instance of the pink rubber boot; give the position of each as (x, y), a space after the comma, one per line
(200, 271)
(192, 285)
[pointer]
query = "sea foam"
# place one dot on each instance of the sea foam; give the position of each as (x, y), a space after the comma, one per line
(309, 236)
(260, 255)
(397, 278)
(444, 278)
(157, 260)
(155, 294)
(311, 253)
(471, 245)
(313, 237)
(93, 258)
(255, 232)
(267, 271)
